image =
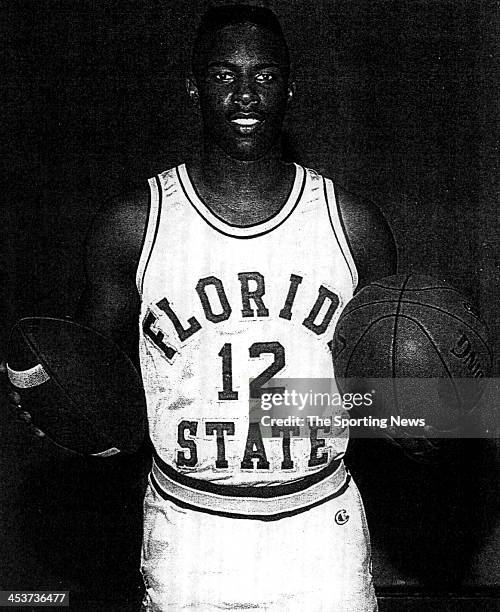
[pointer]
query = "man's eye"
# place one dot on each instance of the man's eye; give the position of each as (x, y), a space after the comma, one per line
(265, 77)
(223, 77)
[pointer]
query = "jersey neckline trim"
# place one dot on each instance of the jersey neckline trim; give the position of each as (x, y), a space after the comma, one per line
(236, 231)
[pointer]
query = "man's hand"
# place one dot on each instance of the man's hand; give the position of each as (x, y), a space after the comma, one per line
(13, 401)
(430, 448)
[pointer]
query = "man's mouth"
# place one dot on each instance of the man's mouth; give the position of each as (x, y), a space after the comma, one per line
(245, 124)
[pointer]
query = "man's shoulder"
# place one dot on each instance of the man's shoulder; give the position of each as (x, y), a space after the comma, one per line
(348, 200)
(368, 234)
(356, 210)
(124, 215)
(127, 208)
(118, 229)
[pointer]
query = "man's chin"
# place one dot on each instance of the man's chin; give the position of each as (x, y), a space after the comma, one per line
(248, 152)
(247, 157)
(244, 149)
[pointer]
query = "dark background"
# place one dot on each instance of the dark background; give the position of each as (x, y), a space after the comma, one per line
(397, 100)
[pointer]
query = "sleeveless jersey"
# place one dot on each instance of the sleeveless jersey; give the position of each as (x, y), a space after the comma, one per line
(223, 309)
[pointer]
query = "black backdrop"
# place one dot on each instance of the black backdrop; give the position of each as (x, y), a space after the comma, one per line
(397, 100)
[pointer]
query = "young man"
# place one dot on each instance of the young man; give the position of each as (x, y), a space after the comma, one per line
(235, 268)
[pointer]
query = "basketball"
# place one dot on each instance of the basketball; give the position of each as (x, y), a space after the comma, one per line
(422, 333)
(80, 388)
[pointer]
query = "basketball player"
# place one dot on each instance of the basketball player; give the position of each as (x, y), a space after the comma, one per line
(235, 268)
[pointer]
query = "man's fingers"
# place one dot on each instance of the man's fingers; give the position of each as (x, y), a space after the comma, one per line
(14, 402)
(15, 409)
(25, 419)
(4, 379)
(14, 397)
(7, 390)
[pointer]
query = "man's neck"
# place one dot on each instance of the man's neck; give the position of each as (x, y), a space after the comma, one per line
(242, 191)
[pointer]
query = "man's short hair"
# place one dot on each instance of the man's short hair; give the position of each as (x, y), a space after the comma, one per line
(219, 17)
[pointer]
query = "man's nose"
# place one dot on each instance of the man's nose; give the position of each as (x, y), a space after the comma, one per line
(245, 93)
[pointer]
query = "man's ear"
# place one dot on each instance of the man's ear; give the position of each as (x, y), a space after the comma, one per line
(291, 91)
(192, 89)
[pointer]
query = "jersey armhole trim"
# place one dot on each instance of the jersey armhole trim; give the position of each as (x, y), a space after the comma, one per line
(339, 230)
(151, 231)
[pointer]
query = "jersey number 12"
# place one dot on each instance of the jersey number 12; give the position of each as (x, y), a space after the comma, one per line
(256, 350)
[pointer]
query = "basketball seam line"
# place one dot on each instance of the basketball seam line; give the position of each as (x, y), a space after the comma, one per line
(417, 288)
(386, 316)
(413, 303)
(403, 316)
(431, 340)
(393, 339)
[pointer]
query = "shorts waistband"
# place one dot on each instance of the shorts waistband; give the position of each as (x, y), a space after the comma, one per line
(221, 499)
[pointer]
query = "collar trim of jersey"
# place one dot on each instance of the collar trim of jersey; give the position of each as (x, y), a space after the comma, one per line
(236, 231)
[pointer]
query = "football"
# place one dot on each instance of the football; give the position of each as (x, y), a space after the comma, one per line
(80, 388)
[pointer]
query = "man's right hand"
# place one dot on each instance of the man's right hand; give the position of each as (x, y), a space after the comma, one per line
(13, 400)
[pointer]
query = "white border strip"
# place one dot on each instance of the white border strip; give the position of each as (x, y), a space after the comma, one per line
(25, 379)
(150, 234)
(107, 453)
(252, 505)
(339, 232)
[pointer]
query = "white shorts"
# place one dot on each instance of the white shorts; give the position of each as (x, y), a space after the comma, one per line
(315, 561)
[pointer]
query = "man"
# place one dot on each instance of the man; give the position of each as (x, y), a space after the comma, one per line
(236, 267)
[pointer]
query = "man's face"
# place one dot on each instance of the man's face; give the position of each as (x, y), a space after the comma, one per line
(243, 90)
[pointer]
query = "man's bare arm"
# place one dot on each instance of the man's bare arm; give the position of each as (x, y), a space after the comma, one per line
(369, 236)
(110, 300)
(374, 252)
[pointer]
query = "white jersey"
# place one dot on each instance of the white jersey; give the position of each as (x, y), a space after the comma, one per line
(224, 308)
